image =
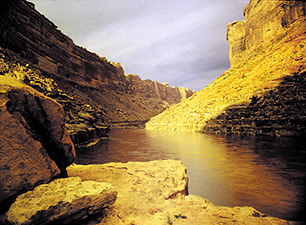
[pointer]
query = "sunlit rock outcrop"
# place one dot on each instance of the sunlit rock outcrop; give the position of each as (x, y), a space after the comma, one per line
(261, 65)
(35, 146)
(279, 112)
(156, 193)
(236, 40)
(61, 201)
(265, 23)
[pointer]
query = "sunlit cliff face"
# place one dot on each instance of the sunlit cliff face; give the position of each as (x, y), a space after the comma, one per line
(257, 67)
(265, 23)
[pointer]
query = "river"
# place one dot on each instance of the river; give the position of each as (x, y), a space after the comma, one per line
(267, 173)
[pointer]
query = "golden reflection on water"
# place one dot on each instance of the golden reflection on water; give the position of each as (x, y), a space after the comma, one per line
(228, 172)
(230, 175)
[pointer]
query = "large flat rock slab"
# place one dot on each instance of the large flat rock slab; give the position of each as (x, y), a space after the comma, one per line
(61, 201)
(156, 193)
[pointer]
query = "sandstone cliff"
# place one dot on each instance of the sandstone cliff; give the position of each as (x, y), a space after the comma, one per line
(263, 92)
(154, 89)
(265, 23)
(92, 90)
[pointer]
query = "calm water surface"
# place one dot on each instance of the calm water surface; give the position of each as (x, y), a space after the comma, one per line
(266, 173)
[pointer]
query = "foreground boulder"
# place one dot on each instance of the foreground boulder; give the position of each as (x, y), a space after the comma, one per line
(156, 193)
(35, 146)
(61, 201)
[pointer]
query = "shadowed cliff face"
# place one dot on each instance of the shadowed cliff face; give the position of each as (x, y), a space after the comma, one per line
(92, 90)
(261, 65)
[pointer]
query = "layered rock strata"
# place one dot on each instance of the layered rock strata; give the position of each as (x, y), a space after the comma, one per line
(85, 82)
(156, 193)
(28, 33)
(263, 69)
(265, 22)
(279, 112)
(35, 146)
(157, 90)
(61, 201)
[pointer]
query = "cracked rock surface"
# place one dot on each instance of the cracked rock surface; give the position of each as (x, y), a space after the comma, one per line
(61, 201)
(156, 193)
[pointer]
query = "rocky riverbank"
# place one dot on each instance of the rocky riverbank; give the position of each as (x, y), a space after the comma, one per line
(36, 150)
(156, 192)
(84, 92)
(62, 201)
(280, 112)
(153, 192)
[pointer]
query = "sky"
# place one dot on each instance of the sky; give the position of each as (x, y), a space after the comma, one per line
(180, 42)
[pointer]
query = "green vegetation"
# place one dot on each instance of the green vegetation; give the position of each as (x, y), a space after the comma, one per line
(169, 221)
(178, 216)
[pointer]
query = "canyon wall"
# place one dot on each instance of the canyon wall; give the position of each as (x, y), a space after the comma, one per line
(265, 22)
(27, 32)
(262, 93)
(157, 90)
(84, 83)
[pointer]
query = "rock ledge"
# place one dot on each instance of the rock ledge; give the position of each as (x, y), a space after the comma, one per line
(156, 193)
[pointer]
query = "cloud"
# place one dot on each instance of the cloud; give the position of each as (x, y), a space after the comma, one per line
(182, 42)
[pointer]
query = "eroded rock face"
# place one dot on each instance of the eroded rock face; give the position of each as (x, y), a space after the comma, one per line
(165, 179)
(265, 22)
(236, 39)
(141, 186)
(61, 201)
(27, 32)
(154, 89)
(156, 193)
(35, 146)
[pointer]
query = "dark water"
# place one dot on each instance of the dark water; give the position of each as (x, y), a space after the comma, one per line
(267, 173)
